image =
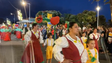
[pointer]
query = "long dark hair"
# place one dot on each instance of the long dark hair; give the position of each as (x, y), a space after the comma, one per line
(72, 24)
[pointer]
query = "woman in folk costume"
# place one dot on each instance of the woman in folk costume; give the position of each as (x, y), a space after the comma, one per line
(2, 32)
(18, 33)
(49, 42)
(90, 54)
(70, 45)
(84, 39)
(96, 37)
(33, 53)
(7, 36)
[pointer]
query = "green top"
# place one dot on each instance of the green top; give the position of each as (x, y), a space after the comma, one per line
(3, 30)
(8, 30)
(18, 29)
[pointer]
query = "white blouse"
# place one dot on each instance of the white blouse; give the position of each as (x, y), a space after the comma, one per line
(28, 35)
(50, 42)
(97, 36)
(85, 55)
(63, 43)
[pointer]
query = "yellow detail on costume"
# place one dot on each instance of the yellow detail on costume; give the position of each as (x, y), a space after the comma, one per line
(91, 58)
(76, 41)
(110, 34)
(49, 50)
(84, 40)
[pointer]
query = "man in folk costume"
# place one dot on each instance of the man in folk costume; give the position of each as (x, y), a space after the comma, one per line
(96, 37)
(33, 53)
(70, 45)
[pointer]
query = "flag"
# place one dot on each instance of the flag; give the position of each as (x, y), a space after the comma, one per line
(49, 16)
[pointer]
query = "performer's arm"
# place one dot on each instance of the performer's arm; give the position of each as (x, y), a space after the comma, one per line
(91, 36)
(41, 38)
(84, 56)
(23, 31)
(99, 35)
(59, 44)
(45, 43)
(27, 36)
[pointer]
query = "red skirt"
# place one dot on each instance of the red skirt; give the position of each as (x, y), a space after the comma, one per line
(18, 34)
(96, 45)
(7, 36)
(37, 53)
(2, 35)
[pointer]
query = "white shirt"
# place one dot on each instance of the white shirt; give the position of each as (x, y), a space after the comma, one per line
(64, 32)
(28, 35)
(83, 39)
(83, 28)
(63, 43)
(49, 43)
(85, 55)
(97, 36)
(25, 30)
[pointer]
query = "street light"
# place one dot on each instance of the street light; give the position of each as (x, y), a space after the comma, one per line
(98, 9)
(14, 16)
(24, 4)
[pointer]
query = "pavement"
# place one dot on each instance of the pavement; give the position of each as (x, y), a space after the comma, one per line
(11, 51)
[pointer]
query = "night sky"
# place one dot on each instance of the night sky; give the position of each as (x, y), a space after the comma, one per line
(64, 6)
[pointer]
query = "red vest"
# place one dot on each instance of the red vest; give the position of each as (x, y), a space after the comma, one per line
(72, 52)
(36, 49)
(96, 43)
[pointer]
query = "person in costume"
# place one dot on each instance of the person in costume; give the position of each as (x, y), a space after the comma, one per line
(84, 39)
(0, 34)
(7, 36)
(3, 32)
(64, 31)
(96, 37)
(90, 54)
(70, 45)
(25, 30)
(33, 51)
(49, 42)
(18, 32)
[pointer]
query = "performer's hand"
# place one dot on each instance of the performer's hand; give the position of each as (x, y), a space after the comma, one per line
(30, 41)
(67, 61)
(43, 45)
(102, 35)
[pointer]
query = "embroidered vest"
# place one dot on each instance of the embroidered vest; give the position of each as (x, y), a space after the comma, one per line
(91, 58)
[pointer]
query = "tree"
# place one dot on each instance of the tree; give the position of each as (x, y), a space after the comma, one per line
(62, 21)
(44, 13)
(109, 23)
(1, 20)
(86, 17)
(102, 20)
(109, 2)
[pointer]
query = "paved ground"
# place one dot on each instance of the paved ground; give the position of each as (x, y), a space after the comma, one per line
(11, 52)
